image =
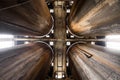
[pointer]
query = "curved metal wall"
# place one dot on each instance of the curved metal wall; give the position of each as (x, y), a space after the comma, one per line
(91, 62)
(95, 17)
(26, 17)
(25, 62)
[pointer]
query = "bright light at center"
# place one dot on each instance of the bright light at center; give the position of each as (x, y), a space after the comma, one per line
(6, 43)
(2, 36)
(113, 45)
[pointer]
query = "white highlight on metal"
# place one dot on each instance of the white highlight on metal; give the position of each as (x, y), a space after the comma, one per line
(71, 36)
(71, 3)
(51, 43)
(93, 43)
(26, 36)
(68, 11)
(52, 64)
(51, 10)
(68, 43)
(56, 76)
(47, 36)
(26, 42)
(67, 31)
(113, 45)
(63, 76)
(8, 43)
(52, 31)
(67, 64)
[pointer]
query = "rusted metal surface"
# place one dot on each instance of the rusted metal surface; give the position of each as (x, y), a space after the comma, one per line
(25, 62)
(30, 17)
(95, 17)
(102, 65)
(60, 35)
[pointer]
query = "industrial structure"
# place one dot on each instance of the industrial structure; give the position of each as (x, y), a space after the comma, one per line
(59, 39)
